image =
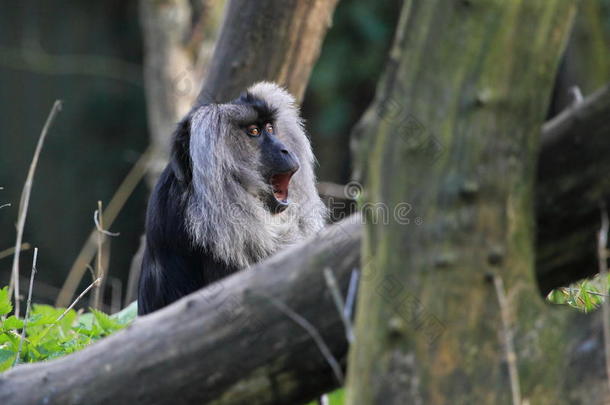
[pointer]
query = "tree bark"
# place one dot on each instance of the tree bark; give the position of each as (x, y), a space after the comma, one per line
(178, 42)
(455, 123)
(276, 40)
(227, 344)
(572, 181)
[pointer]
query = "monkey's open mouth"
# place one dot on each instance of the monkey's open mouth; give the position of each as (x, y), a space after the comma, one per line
(278, 201)
(280, 182)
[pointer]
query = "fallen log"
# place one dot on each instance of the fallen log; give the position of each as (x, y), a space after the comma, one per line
(236, 342)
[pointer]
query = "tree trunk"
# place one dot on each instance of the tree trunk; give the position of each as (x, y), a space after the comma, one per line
(178, 43)
(236, 342)
(571, 183)
(276, 40)
(453, 134)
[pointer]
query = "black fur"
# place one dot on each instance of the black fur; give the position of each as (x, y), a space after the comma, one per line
(264, 111)
(172, 266)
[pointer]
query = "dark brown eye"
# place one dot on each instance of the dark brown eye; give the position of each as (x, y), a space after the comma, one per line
(253, 130)
(269, 128)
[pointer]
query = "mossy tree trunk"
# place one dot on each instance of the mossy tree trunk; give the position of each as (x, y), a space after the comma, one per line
(277, 40)
(457, 118)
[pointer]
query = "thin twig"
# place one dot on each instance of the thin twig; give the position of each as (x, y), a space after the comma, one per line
(28, 306)
(577, 290)
(331, 283)
(116, 288)
(89, 250)
(602, 255)
(99, 224)
(81, 295)
(25, 201)
(98, 218)
(4, 205)
(511, 357)
(312, 331)
(92, 272)
(351, 294)
(85, 291)
(576, 95)
(8, 252)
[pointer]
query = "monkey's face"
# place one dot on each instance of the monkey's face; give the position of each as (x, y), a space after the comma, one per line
(277, 163)
(265, 163)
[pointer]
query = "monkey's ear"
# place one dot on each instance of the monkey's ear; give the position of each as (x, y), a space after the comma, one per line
(180, 161)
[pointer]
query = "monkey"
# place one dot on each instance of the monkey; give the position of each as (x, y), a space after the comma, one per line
(239, 187)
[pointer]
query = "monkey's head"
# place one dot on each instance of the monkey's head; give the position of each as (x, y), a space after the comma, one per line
(265, 148)
(248, 169)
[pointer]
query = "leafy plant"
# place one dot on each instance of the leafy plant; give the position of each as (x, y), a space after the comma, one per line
(585, 295)
(334, 398)
(53, 332)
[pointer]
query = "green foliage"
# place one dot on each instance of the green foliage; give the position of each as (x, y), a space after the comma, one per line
(335, 398)
(586, 295)
(53, 332)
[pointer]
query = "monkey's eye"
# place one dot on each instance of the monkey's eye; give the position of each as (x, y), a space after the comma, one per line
(253, 130)
(269, 128)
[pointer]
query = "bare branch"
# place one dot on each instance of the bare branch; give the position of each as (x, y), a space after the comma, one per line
(25, 201)
(27, 308)
(81, 295)
(98, 226)
(351, 294)
(8, 252)
(312, 331)
(115, 206)
(576, 95)
(99, 221)
(331, 283)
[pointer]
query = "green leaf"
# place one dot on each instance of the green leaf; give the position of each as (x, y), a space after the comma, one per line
(108, 324)
(5, 302)
(12, 323)
(127, 314)
(11, 338)
(7, 357)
